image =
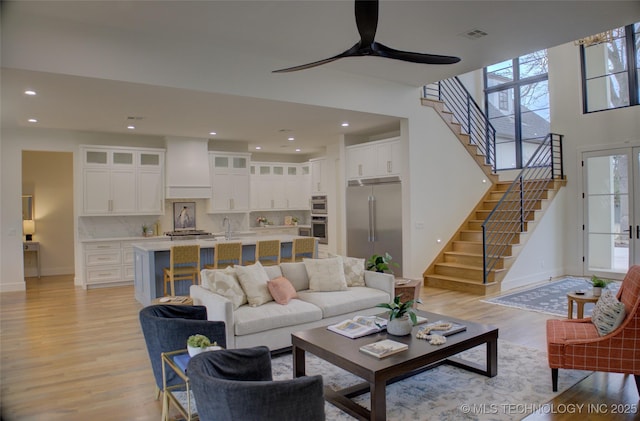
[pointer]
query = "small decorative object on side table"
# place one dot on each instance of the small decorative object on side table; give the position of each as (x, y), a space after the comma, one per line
(408, 289)
(177, 300)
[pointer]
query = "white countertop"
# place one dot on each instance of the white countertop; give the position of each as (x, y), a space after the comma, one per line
(210, 242)
(140, 238)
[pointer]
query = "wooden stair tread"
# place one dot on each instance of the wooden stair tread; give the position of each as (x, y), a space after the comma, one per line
(469, 267)
(458, 280)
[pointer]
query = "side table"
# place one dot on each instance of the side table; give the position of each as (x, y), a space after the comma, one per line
(176, 361)
(580, 300)
(408, 289)
(174, 300)
(33, 246)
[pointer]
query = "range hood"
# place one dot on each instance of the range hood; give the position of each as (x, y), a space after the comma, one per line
(187, 168)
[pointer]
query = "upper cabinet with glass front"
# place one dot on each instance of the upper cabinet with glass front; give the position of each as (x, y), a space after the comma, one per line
(122, 181)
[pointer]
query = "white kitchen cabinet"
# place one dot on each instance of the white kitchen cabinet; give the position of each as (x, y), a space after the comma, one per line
(279, 186)
(318, 172)
(230, 182)
(374, 159)
(122, 181)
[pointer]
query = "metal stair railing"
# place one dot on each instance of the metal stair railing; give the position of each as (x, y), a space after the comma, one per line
(508, 217)
(466, 111)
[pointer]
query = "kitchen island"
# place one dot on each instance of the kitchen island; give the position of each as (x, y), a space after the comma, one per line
(151, 257)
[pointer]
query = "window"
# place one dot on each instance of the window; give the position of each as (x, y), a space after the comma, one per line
(517, 103)
(610, 71)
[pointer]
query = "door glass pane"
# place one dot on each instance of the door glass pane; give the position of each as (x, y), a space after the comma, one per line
(607, 222)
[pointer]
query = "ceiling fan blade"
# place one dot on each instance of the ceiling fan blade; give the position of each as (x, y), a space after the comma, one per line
(366, 12)
(353, 51)
(388, 52)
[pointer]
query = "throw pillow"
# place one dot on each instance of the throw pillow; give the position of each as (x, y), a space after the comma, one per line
(353, 270)
(253, 280)
(325, 274)
(282, 290)
(608, 313)
(225, 283)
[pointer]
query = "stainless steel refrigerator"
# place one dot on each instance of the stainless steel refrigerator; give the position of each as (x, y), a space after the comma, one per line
(374, 219)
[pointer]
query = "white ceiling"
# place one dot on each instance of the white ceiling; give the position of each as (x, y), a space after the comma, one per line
(268, 35)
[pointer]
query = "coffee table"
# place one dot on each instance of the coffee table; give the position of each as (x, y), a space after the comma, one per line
(377, 373)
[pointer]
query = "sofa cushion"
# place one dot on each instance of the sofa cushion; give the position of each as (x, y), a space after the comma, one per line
(608, 313)
(273, 271)
(335, 303)
(272, 315)
(225, 283)
(281, 290)
(326, 274)
(296, 273)
(253, 280)
(353, 270)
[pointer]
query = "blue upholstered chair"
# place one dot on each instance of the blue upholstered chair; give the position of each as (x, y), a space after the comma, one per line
(237, 384)
(167, 327)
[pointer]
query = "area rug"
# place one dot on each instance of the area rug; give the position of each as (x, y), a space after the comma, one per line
(523, 385)
(550, 298)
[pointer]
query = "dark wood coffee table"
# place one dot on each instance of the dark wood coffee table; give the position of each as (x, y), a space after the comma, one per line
(421, 356)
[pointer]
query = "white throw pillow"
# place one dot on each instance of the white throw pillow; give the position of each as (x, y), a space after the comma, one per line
(326, 274)
(353, 270)
(253, 280)
(608, 313)
(225, 283)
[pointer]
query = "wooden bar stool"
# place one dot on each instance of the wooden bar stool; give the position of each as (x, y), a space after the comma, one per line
(302, 247)
(268, 252)
(226, 254)
(184, 264)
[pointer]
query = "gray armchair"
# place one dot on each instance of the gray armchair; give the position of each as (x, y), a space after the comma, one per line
(237, 384)
(167, 327)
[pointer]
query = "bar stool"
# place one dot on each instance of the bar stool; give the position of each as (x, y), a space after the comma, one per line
(268, 252)
(184, 264)
(302, 247)
(226, 254)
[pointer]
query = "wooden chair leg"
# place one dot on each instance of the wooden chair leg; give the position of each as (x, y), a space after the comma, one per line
(554, 379)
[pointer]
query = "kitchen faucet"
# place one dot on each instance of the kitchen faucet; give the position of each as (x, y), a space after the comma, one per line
(226, 224)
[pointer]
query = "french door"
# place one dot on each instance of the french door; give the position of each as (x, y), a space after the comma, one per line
(611, 211)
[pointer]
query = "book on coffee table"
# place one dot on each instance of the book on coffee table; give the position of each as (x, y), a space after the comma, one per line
(443, 328)
(384, 348)
(359, 326)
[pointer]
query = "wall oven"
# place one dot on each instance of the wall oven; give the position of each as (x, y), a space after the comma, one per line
(319, 228)
(318, 205)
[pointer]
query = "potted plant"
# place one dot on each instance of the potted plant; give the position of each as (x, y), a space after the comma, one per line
(146, 231)
(402, 316)
(197, 343)
(381, 264)
(294, 220)
(262, 221)
(598, 284)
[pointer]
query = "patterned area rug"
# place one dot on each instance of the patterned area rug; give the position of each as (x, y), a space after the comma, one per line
(550, 298)
(523, 385)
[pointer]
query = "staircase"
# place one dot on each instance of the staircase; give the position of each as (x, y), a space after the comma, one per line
(478, 256)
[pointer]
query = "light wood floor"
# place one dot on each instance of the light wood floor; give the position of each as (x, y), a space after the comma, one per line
(70, 354)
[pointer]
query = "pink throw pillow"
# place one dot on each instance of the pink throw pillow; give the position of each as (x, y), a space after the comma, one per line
(282, 290)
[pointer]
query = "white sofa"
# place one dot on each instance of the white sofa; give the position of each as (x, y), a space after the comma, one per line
(271, 324)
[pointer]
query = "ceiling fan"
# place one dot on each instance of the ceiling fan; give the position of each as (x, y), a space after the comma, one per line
(366, 12)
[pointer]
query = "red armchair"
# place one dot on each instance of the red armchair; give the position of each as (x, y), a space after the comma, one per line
(576, 344)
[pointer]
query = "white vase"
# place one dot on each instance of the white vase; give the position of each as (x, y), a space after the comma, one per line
(400, 327)
(597, 291)
(194, 350)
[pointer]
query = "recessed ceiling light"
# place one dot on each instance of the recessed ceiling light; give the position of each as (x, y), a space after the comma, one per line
(297, 149)
(130, 127)
(291, 139)
(32, 120)
(29, 92)
(258, 147)
(345, 124)
(213, 133)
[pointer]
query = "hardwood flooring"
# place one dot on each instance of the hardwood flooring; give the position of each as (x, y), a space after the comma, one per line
(71, 354)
